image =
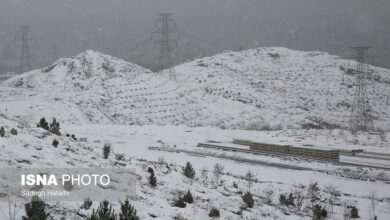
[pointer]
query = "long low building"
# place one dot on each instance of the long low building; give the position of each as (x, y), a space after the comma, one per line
(319, 153)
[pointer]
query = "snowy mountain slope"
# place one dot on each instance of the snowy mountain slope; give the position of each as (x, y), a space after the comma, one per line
(290, 88)
(96, 88)
(264, 88)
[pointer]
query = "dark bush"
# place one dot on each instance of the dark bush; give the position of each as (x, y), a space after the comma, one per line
(2, 131)
(35, 210)
(104, 212)
(188, 197)
(55, 127)
(150, 170)
(152, 180)
(319, 212)
(128, 212)
(248, 199)
(354, 212)
(55, 143)
(188, 171)
(214, 213)
(14, 131)
(87, 204)
(287, 200)
(43, 124)
(106, 150)
(179, 203)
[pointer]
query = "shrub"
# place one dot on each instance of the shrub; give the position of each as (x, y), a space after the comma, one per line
(319, 212)
(14, 131)
(43, 124)
(87, 204)
(104, 212)
(68, 186)
(188, 171)
(35, 210)
(2, 131)
(287, 200)
(248, 199)
(55, 143)
(128, 212)
(55, 127)
(354, 212)
(150, 170)
(214, 212)
(188, 198)
(106, 150)
(235, 185)
(218, 171)
(152, 179)
(179, 203)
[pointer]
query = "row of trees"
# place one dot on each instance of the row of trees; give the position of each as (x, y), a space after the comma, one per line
(36, 210)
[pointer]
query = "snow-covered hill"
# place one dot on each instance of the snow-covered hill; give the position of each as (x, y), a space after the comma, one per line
(96, 88)
(288, 87)
(264, 88)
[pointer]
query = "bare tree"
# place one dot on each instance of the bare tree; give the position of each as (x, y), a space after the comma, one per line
(346, 212)
(218, 172)
(11, 210)
(372, 198)
(203, 173)
(313, 193)
(299, 196)
(333, 194)
(268, 193)
(250, 178)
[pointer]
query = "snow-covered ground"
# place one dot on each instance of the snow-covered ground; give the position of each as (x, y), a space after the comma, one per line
(30, 149)
(265, 95)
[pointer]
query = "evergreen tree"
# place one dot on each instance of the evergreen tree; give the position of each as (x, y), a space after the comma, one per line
(188, 171)
(354, 212)
(43, 124)
(214, 213)
(2, 131)
(35, 210)
(128, 212)
(188, 197)
(104, 212)
(55, 127)
(180, 202)
(106, 150)
(248, 199)
(152, 179)
(55, 143)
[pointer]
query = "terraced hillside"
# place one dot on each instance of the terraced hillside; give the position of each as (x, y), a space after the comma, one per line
(96, 88)
(289, 88)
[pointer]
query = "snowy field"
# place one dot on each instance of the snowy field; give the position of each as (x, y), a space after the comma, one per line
(32, 148)
(270, 95)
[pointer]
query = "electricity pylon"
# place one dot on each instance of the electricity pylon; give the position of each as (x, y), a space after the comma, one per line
(361, 118)
(166, 35)
(23, 36)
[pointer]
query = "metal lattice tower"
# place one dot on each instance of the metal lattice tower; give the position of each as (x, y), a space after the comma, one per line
(361, 118)
(166, 35)
(23, 36)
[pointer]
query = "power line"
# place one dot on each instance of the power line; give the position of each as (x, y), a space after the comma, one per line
(166, 35)
(361, 118)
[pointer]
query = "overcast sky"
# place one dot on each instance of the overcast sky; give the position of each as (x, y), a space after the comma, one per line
(122, 27)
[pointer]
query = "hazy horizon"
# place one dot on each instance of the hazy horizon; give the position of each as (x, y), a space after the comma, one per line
(122, 28)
